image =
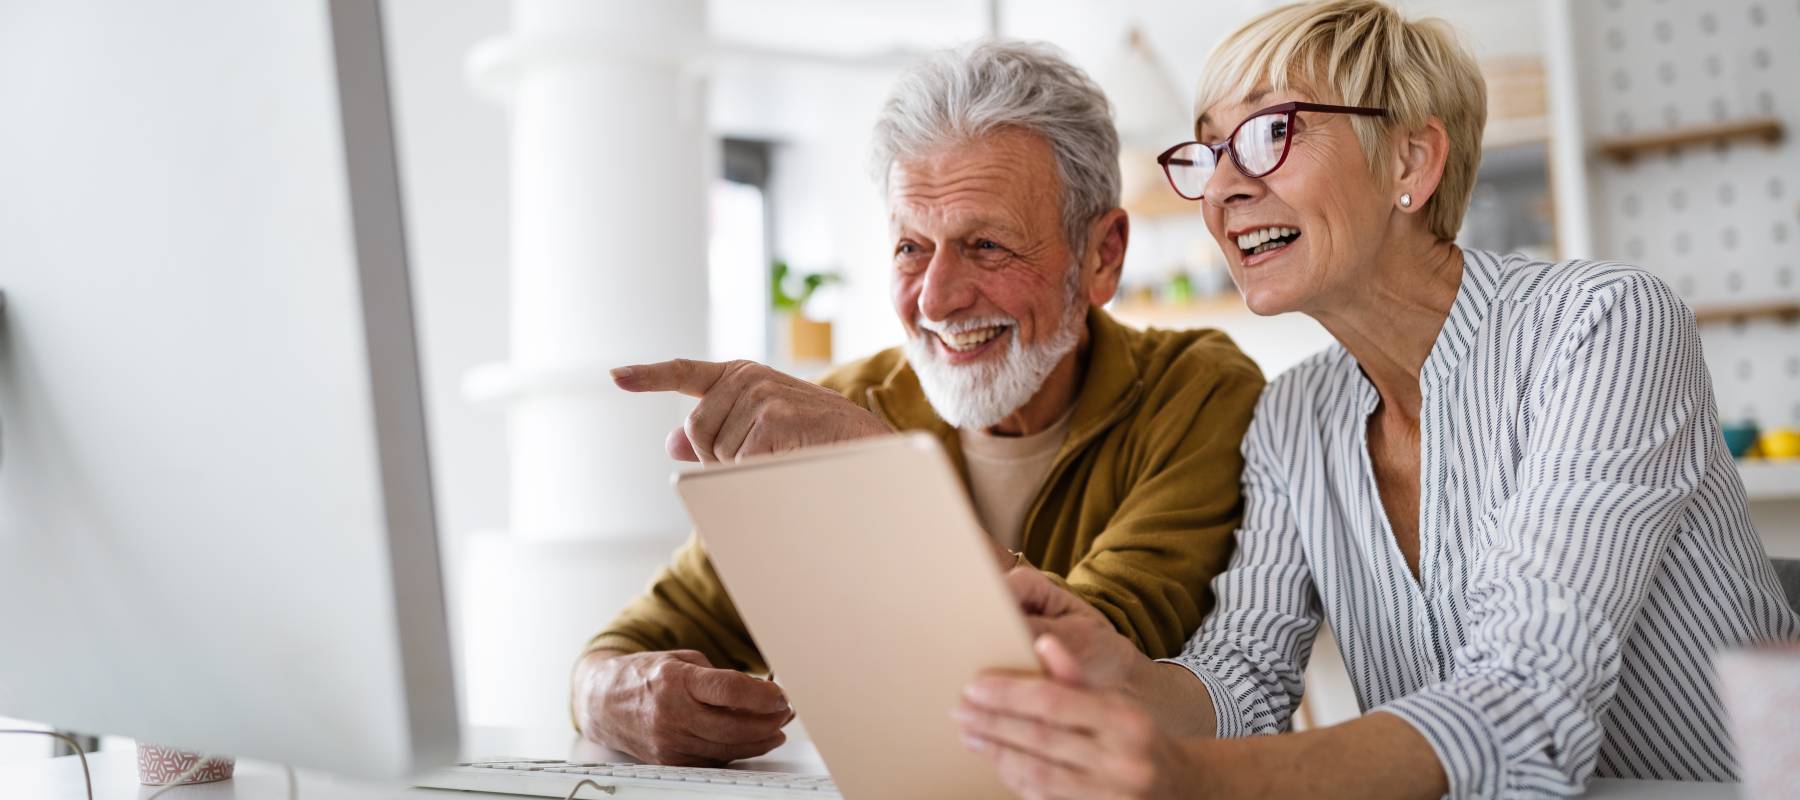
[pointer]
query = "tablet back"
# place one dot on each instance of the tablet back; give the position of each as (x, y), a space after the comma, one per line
(871, 590)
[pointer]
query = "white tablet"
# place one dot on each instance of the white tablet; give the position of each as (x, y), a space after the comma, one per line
(870, 587)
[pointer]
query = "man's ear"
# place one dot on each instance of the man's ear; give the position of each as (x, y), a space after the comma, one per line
(1419, 164)
(1104, 260)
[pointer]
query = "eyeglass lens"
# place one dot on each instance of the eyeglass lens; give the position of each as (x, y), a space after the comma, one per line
(1259, 145)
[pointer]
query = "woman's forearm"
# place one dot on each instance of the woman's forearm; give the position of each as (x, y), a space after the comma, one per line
(1177, 700)
(1376, 756)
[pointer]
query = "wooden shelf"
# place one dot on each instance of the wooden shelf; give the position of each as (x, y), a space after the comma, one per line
(1766, 481)
(1784, 310)
(1161, 201)
(1199, 309)
(1513, 132)
(1626, 148)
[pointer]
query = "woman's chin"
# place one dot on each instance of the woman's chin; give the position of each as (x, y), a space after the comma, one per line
(1267, 301)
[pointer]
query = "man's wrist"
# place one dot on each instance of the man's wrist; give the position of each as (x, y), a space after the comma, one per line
(588, 679)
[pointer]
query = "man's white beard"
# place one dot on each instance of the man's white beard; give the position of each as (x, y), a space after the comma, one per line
(979, 395)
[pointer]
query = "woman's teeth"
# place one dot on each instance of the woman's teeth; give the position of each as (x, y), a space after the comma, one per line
(1266, 239)
(964, 341)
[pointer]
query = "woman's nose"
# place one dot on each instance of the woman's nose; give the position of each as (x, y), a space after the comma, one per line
(1227, 184)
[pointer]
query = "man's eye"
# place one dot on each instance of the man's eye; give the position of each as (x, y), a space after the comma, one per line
(988, 244)
(910, 258)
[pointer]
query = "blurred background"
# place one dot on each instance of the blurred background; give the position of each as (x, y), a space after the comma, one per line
(591, 183)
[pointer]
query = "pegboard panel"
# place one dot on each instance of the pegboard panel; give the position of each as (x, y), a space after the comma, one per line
(1720, 222)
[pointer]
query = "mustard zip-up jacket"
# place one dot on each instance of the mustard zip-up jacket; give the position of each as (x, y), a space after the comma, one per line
(1136, 515)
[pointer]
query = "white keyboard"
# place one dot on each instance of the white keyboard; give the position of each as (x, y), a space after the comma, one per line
(552, 778)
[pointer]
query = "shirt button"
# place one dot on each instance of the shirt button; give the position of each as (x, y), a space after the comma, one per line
(1558, 605)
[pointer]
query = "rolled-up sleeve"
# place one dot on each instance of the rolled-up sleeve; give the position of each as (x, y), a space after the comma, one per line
(1251, 652)
(1623, 434)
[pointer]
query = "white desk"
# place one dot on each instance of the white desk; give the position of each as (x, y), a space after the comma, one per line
(115, 775)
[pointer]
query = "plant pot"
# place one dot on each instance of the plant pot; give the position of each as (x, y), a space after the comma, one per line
(808, 341)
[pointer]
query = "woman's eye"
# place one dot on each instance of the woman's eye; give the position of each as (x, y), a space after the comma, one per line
(1278, 130)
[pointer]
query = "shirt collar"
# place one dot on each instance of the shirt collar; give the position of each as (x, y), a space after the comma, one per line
(1474, 302)
(1468, 312)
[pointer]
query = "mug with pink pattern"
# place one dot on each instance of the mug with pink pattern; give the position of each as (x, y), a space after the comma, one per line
(1761, 690)
(160, 766)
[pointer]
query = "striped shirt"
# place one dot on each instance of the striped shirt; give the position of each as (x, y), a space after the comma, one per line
(1584, 542)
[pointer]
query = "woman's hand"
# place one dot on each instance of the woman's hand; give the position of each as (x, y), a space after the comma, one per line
(1102, 657)
(1059, 738)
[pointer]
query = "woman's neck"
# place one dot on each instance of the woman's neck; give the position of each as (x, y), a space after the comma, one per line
(1390, 322)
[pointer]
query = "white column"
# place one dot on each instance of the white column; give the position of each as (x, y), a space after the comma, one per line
(608, 267)
(608, 255)
(1568, 138)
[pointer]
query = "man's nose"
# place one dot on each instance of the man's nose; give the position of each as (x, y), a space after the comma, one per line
(948, 286)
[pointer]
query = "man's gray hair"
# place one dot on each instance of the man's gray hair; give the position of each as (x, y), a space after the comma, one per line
(959, 95)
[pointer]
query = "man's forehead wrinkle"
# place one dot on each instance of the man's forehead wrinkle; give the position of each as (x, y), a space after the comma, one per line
(992, 178)
(957, 220)
(968, 200)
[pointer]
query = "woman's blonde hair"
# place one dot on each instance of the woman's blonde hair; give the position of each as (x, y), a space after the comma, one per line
(1368, 55)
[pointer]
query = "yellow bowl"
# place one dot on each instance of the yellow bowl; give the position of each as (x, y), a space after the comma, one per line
(1781, 443)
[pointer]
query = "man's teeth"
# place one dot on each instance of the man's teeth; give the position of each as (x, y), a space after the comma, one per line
(963, 341)
(1255, 240)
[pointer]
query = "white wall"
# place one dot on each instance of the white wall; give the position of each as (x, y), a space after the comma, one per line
(827, 210)
(455, 182)
(455, 178)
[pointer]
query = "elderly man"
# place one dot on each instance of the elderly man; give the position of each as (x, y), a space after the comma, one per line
(1104, 456)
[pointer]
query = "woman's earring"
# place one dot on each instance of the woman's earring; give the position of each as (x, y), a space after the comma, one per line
(1406, 201)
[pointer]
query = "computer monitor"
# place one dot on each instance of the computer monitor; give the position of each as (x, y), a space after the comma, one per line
(216, 523)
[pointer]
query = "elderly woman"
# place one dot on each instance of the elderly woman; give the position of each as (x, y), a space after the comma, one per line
(1504, 486)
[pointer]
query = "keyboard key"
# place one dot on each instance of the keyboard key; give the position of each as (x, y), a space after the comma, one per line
(652, 772)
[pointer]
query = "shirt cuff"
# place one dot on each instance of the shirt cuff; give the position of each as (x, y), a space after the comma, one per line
(1460, 737)
(1228, 718)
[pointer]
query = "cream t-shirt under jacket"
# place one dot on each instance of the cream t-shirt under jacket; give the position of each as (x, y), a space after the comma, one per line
(1005, 474)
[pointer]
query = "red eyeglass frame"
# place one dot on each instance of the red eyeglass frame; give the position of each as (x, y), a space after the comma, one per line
(1226, 148)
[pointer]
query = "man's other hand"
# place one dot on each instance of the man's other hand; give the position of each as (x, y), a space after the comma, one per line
(748, 409)
(675, 708)
(1084, 636)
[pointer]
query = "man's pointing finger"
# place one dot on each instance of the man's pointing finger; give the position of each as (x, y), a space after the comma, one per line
(687, 376)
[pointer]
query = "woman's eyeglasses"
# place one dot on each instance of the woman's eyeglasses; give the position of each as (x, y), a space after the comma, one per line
(1259, 146)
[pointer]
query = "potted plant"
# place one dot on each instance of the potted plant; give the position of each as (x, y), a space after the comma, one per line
(808, 340)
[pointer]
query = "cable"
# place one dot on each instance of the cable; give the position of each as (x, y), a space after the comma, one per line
(571, 794)
(200, 762)
(86, 776)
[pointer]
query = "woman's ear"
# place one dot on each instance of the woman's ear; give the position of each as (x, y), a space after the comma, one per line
(1105, 258)
(1419, 166)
